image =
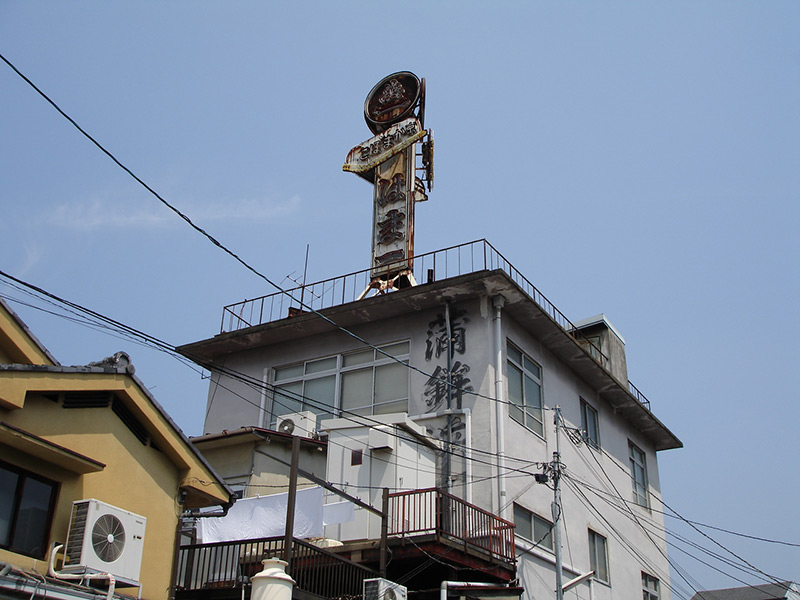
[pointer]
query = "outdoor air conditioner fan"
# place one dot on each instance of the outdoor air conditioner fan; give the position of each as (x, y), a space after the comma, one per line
(286, 426)
(383, 589)
(301, 424)
(108, 538)
(104, 539)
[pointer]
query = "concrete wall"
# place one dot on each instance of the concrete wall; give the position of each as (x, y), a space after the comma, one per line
(473, 363)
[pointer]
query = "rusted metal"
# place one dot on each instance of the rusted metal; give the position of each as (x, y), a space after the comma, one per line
(434, 511)
(393, 99)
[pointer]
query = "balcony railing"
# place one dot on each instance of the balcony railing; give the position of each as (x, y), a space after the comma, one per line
(433, 511)
(229, 565)
(472, 257)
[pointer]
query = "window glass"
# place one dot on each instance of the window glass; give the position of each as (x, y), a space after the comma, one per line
(638, 475)
(598, 557)
(391, 407)
(288, 372)
(317, 366)
(364, 382)
(358, 358)
(649, 587)
(400, 349)
(591, 428)
(391, 382)
(25, 511)
(290, 400)
(356, 389)
(543, 532)
(531, 367)
(522, 522)
(525, 390)
(322, 394)
(8, 492)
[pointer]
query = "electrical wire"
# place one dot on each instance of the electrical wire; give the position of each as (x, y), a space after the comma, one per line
(227, 250)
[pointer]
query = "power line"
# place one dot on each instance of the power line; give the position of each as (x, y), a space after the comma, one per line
(254, 383)
(224, 248)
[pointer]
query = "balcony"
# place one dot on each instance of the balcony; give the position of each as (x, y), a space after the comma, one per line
(420, 524)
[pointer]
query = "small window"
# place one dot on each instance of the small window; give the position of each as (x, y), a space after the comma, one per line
(27, 502)
(649, 587)
(590, 425)
(525, 390)
(638, 462)
(533, 528)
(598, 556)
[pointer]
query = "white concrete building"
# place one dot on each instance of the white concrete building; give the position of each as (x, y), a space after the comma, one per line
(513, 359)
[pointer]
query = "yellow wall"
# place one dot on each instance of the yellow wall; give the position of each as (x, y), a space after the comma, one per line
(136, 478)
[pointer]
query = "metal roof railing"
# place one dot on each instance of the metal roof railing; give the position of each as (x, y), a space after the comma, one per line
(463, 259)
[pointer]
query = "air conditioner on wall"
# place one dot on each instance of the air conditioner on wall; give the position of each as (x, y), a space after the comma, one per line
(383, 589)
(303, 424)
(104, 539)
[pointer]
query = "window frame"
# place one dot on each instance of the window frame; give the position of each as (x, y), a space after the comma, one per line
(23, 475)
(586, 409)
(527, 416)
(544, 542)
(594, 549)
(338, 371)
(639, 479)
(650, 592)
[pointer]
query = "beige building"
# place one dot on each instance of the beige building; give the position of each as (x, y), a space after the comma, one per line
(90, 461)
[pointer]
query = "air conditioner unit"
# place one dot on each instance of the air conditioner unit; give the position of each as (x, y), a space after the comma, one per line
(104, 539)
(303, 424)
(382, 589)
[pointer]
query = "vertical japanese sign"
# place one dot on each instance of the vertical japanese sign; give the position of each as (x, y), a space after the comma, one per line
(388, 161)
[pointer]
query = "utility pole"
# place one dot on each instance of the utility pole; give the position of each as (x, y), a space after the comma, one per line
(556, 506)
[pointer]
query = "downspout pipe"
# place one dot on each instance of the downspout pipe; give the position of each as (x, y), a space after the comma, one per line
(51, 571)
(500, 401)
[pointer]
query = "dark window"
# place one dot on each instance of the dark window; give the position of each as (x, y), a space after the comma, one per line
(638, 474)
(650, 587)
(598, 556)
(590, 425)
(27, 502)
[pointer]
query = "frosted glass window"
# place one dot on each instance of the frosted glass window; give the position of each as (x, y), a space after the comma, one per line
(362, 382)
(356, 389)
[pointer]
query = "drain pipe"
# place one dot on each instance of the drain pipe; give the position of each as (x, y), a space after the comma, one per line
(475, 584)
(500, 400)
(51, 571)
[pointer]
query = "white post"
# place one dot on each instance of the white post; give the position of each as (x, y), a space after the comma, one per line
(272, 583)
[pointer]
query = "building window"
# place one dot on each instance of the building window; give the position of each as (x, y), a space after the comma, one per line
(598, 556)
(27, 502)
(533, 528)
(525, 390)
(590, 425)
(365, 382)
(649, 587)
(592, 345)
(638, 474)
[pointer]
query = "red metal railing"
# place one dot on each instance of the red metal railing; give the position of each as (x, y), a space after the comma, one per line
(436, 512)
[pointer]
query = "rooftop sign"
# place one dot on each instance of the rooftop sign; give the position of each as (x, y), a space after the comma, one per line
(388, 160)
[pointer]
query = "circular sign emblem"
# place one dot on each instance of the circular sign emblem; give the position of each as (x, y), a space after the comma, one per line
(391, 100)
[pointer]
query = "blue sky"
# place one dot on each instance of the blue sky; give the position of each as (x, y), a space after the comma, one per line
(636, 159)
